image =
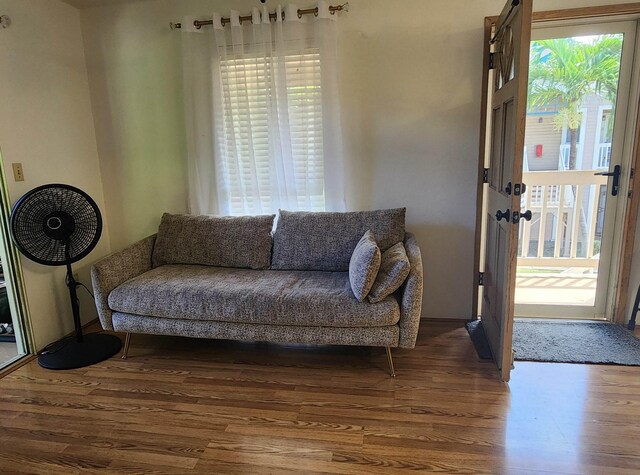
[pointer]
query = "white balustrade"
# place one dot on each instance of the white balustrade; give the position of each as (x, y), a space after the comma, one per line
(571, 197)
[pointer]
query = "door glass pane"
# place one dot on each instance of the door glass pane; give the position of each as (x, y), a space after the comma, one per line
(573, 86)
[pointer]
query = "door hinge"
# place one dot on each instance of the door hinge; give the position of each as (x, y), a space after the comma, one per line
(491, 61)
(485, 175)
(480, 278)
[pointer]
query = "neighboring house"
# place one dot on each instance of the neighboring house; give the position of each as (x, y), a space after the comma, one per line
(547, 149)
(594, 139)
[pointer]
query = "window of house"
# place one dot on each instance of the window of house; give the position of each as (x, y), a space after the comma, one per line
(256, 117)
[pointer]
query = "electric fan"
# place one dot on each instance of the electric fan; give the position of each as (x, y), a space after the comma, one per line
(57, 225)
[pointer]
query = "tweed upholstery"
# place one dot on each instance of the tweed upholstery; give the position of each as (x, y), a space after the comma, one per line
(394, 269)
(135, 260)
(242, 241)
(361, 336)
(325, 241)
(364, 265)
(250, 296)
(410, 295)
(116, 269)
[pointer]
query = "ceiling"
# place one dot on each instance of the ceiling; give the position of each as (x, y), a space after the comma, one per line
(93, 3)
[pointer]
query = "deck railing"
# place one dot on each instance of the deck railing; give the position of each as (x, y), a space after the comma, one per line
(564, 229)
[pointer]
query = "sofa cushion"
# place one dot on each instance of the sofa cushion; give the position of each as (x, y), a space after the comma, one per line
(250, 296)
(325, 241)
(394, 269)
(243, 241)
(364, 265)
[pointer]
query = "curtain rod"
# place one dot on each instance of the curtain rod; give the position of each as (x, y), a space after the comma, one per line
(272, 16)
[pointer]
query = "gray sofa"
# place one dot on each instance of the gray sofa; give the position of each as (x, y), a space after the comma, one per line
(232, 278)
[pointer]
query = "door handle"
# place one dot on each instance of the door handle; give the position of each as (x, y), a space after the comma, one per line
(506, 215)
(516, 216)
(615, 186)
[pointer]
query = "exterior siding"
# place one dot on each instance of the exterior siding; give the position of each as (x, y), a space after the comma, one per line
(541, 129)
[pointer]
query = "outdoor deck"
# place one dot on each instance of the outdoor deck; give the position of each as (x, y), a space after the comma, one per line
(567, 288)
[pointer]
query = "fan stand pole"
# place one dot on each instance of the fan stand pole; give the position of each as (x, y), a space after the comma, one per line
(84, 350)
(75, 308)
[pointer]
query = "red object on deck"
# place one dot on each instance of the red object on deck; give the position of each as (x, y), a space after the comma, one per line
(539, 150)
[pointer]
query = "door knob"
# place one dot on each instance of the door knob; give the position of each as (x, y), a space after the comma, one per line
(506, 215)
(615, 186)
(516, 216)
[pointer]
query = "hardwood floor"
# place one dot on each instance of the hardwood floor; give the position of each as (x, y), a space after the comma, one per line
(191, 406)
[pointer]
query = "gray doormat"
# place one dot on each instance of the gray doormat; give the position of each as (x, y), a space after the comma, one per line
(575, 342)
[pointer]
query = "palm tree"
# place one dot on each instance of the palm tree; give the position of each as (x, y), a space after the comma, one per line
(564, 71)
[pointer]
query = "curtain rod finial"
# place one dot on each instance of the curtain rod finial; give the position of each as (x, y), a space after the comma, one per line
(173, 25)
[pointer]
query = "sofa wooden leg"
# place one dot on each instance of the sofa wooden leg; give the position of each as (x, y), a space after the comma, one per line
(125, 350)
(392, 371)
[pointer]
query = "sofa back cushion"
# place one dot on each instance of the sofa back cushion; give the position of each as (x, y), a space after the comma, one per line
(243, 242)
(325, 241)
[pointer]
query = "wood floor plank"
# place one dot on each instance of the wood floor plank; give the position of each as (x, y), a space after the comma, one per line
(195, 406)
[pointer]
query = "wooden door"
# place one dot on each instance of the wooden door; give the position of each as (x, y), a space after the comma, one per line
(502, 134)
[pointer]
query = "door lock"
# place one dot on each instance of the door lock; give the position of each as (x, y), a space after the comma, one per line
(519, 189)
(506, 215)
(615, 186)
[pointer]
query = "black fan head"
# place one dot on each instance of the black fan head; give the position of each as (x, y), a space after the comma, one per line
(55, 224)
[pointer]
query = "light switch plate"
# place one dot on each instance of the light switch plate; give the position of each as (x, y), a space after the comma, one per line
(18, 174)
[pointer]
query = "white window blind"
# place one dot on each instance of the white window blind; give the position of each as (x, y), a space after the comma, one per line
(262, 125)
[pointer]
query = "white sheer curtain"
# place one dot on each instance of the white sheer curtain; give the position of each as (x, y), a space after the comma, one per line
(262, 116)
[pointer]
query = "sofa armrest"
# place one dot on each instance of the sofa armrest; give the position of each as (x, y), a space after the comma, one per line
(116, 269)
(410, 296)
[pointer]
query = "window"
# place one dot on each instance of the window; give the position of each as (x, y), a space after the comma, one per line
(262, 114)
(256, 117)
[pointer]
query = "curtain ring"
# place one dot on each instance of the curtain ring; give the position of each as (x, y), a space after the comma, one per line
(197, 24)
(315, 14)
(299, 15)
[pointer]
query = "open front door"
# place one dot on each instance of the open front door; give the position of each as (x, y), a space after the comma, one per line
(502, 146)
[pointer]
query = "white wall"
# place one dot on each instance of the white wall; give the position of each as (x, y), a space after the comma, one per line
(46, 123)
(410, 92)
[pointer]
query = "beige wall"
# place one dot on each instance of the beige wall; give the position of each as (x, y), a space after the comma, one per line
(410, 92)
(46, 123)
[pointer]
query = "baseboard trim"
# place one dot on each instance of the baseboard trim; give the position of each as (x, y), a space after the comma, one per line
(444, 319)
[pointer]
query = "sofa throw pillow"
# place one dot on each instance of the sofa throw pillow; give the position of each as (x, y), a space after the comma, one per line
(364, 265)
(394, 270)
(222, 241)
(325, 241)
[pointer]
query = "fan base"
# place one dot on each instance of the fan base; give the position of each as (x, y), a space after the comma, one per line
(95, 347)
